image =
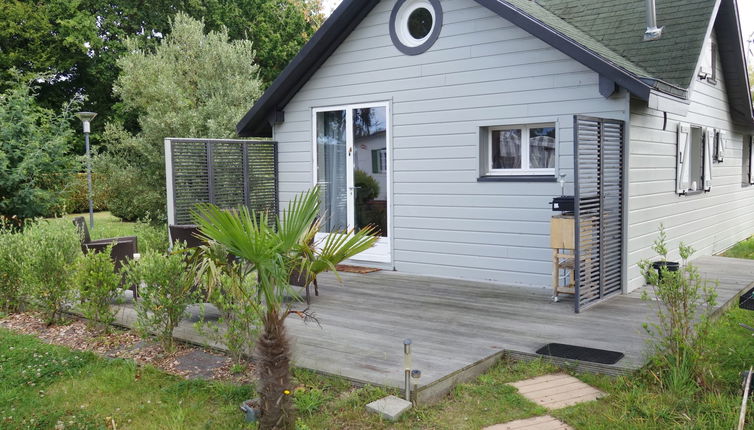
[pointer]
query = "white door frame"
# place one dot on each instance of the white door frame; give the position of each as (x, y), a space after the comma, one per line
(382, 251)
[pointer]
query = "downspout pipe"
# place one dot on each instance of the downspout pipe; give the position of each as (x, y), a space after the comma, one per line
(653, 32)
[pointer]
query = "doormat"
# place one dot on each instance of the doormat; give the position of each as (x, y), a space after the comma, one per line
(355, 269)
(581, 353)
(746, 301)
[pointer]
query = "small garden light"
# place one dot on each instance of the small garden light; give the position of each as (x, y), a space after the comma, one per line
(86, 118)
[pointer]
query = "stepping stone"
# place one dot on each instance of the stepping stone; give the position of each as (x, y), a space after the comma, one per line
(389, 407)
(557, 391)
(537, 423)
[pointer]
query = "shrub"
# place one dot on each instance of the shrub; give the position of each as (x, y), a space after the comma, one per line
(233, 293)
(684, 305)
(151, 237)
(52, 248)
(98, 285)
(77, 194)
(11, 269)
(167, 288)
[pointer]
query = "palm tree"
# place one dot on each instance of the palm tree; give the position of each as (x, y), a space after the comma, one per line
(272, 252)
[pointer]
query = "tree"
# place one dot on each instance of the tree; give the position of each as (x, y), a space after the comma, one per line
(35, 162)
(78, 42)
(272, 254)
(192, 84)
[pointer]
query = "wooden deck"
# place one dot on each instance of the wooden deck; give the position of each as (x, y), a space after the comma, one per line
(459, 328)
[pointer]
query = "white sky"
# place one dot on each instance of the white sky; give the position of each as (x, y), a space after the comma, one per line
(745, 9)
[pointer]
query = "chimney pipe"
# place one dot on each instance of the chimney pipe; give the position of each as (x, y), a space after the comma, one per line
(652, 33)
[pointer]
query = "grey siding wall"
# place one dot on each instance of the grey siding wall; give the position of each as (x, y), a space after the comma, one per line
(482, 71)
(710, 222)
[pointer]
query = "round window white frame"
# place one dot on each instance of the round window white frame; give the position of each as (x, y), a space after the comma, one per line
(399, 32)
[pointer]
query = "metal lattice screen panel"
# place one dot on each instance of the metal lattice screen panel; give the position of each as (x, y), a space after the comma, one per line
(227, 173)
(599, 167)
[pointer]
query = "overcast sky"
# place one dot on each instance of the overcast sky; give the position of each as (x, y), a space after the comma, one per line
(745, 9)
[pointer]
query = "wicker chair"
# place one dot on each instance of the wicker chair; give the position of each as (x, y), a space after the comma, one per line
(297, 280)
(188, 233)
(123, 248)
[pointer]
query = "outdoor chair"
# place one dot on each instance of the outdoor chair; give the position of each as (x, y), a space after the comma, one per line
(188, 233)
(123, 248)
(298, 280)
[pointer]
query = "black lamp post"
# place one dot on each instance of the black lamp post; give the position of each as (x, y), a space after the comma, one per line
(86, 118)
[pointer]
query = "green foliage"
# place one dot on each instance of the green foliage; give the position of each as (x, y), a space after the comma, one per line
(35, 163)
(684, 305)
(51, 250)
(192, 84)
(167, 288)
(151, 237)
(743, 249)
(11, 269)
(366, 212)
(309, 401)
(233, 292)
(272, 254)
(76, 196)
(98, 286)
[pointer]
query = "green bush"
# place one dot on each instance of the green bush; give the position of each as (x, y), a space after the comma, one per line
(76, 196)
(52, 248)
(35, 158)
(167, 288)
(234, 294)
(11, 269)
(98, 285)
(151, 237)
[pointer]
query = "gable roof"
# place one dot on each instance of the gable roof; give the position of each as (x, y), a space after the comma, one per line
(604, 35)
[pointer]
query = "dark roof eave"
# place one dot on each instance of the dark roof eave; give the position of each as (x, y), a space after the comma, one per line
(334, 30)
(733, 62)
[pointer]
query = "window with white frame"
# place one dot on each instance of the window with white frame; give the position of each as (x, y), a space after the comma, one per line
(696, 146)
(520, 150)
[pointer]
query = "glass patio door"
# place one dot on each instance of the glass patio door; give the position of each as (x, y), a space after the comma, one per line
(351, 168)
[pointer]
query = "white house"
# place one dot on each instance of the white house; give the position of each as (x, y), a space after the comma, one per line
(486, 104)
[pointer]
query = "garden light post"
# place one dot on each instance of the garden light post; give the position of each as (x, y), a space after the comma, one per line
(86, 118)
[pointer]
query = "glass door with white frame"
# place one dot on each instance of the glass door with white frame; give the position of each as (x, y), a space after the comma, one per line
(352, 170)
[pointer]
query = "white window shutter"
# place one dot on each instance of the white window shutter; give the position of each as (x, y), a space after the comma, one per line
(751, 159)
(683, 159)
(722, 140)
(709, 148)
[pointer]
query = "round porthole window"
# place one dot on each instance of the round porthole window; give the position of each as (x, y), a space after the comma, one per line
(415, 25)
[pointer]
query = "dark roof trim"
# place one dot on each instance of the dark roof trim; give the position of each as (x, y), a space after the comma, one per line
(633, 84)
(733, 61)
(332, 33)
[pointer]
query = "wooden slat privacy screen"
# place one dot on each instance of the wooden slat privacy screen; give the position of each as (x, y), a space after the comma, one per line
(227, 173)
(599, 218)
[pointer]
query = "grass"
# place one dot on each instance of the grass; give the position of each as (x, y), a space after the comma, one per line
(743, 249)
(45, 386)
(49, 384)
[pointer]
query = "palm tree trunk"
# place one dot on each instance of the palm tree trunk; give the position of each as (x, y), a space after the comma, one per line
(275, 375)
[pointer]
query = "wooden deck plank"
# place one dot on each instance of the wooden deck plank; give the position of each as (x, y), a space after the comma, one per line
(455, 323)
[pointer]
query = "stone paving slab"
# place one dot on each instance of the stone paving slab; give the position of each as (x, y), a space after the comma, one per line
(545, 422)
(556, 391)
(390, 407)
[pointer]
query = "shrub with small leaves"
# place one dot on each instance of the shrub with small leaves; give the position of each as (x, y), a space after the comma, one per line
(11, 269)
(167, 288)
(151, 237)
(52, 248)
(98, 286)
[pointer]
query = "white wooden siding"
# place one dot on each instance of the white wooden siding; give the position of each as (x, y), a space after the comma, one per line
(710, 222)
(482, 71)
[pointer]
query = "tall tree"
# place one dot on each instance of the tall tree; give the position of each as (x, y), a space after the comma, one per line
(191, 84)
(78, 42)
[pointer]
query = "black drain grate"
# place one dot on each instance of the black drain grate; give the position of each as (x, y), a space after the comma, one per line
(746, 301)
(581, 353)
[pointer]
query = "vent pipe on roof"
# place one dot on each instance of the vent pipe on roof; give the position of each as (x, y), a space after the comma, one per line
(652, 33)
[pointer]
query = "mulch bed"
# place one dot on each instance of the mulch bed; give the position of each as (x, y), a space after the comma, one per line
(188, 361)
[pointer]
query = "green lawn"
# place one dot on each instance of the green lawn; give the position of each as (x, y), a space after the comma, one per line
(43, 385)
(48, 384)
(743, 249)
